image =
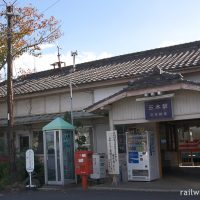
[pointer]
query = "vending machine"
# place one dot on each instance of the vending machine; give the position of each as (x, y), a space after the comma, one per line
(142, 155)
(99, 166)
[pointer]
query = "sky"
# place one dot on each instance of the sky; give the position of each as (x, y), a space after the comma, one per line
(104, 28)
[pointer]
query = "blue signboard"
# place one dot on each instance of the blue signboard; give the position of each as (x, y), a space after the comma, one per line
(158, 109)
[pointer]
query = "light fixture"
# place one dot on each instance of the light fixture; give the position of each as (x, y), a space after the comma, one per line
(159, 93)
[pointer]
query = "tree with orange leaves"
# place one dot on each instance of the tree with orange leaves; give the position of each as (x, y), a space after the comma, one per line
(30, 29)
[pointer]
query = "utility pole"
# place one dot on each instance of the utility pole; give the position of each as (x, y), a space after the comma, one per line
(59, 63)
(74, 54)
(10, 95)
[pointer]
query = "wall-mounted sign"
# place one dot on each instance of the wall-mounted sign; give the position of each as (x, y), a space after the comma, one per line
(112, 148)
(158, 109)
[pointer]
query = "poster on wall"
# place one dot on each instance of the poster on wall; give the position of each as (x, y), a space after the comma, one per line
(113, 156)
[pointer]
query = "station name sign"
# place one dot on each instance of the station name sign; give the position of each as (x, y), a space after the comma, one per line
(158, 109)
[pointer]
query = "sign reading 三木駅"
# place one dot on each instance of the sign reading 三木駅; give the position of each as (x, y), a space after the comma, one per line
(29, 160)
(158, 109)
(112, 148)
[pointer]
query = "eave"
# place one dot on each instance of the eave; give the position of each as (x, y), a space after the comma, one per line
(123, 94)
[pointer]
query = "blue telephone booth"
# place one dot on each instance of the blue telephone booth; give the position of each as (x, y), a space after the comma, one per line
(58, 137)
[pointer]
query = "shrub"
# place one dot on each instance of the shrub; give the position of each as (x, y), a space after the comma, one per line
(4, 175)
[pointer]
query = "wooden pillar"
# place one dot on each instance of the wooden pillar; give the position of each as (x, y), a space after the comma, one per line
(159, 150)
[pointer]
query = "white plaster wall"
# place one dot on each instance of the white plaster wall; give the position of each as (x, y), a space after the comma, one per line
(48, 104)
(186, 105)
(100, 138)
(22, 107)
(102, 93)
(65, 102)
(3, 110)
(38, 105)
(52, 104)
(128, 109)
(80, 100)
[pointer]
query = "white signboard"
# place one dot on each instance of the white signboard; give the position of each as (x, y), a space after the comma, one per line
(29, 160)
(112, 148)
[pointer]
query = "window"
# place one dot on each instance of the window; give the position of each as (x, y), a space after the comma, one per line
(121, 136)
(23, 142)
(2, 144)
(37, 142)
(88, 133)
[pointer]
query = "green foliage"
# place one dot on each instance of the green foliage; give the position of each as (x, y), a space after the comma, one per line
(38, 171)
(4, 175)
(22, 175)
(81, 141)
(30, 29)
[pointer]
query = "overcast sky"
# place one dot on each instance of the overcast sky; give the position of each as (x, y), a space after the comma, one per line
(104, 28)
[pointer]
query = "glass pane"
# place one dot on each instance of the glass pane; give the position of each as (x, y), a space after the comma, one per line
(68, 154)
(51, 168)
(189, 146)
(2, 144)
(37, 143)
(24, 143)
(58, 155)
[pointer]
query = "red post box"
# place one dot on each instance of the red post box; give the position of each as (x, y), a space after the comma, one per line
(83, 162)
(83, 165)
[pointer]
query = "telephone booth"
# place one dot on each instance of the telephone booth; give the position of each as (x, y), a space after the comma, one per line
(58, 137)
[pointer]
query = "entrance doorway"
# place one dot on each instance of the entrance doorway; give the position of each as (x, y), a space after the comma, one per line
(53, 162)
(58, 139)
(180, 147)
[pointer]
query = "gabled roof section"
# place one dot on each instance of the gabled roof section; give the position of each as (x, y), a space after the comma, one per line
(157, 77)
(157, 80)
(175, 58)
(58, 124)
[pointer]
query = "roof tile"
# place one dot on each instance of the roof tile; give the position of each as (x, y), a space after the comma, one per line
(168, 58)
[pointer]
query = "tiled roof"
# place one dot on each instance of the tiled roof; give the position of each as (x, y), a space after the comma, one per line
(154, 79)
(174, 58)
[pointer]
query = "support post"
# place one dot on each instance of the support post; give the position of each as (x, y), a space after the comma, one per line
(84, 182)
(10, 95)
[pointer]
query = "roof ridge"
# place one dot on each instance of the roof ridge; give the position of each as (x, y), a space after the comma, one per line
(159, 49)
(80, 66)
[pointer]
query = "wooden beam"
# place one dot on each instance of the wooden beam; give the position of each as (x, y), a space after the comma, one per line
(155, 97)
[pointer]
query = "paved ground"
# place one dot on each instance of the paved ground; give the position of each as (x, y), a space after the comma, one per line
(77, 194)
(167, 184)
(171, 187)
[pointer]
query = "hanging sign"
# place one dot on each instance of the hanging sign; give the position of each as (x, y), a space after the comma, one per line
(112, 148)
(158, 109)
(29, 160)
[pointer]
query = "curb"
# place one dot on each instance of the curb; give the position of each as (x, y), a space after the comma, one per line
(134, 189)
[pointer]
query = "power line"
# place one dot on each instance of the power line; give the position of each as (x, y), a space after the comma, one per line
(5, 2)
(51, 6)
(11, 4)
